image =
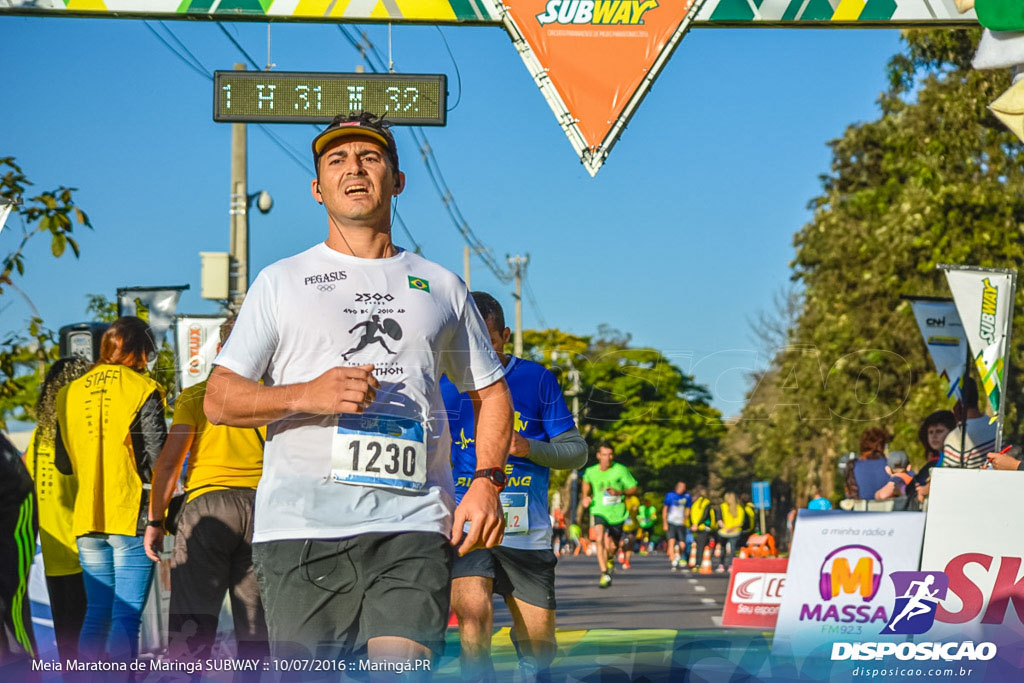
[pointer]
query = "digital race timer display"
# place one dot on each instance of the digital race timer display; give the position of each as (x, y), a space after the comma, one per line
(291, 97)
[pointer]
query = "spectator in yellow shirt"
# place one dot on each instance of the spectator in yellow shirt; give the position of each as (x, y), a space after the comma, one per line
(213, 544)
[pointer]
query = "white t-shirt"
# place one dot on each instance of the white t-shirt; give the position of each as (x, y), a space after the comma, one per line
(410, 318)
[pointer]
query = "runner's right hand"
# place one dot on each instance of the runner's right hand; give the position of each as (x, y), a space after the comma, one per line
(153, 542)
(340, 390)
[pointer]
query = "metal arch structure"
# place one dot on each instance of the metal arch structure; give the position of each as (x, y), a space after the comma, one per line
(592, 143)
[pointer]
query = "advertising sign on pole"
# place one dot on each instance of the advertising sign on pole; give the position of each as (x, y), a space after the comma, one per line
(982, 555)
(755, 592)
(195, 339)
(838, 585)
(984, 299)
(944, 336)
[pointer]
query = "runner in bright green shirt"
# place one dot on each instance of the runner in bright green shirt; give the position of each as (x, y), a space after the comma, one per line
(646, 516)
(605, 486)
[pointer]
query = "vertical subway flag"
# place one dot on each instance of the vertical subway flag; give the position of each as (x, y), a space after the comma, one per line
(944, 336)
(984, 300)
(594, 60)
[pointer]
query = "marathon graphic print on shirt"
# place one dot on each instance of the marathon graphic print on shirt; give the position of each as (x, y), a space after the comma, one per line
(370, 334)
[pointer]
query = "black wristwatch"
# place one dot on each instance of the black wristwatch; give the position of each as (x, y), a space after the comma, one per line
(158, 523)
(495, 475)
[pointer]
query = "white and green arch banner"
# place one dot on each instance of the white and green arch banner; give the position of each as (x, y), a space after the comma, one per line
(712, 13)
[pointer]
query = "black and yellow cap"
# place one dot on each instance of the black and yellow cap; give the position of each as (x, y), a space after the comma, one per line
(363, 124)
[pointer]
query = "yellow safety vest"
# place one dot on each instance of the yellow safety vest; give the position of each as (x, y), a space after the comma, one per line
(56, 495)
(95, 413)
(731, 523)
(697, 510)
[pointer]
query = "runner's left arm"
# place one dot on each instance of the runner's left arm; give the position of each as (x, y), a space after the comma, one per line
(567, 451)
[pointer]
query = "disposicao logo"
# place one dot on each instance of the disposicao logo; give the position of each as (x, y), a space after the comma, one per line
(917, 597)
(602, 12)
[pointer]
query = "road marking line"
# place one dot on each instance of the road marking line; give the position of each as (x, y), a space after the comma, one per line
(700, 589)
(717, 621)
(691, 581)
(708, 601)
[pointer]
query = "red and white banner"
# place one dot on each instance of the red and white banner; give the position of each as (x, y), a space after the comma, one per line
(196, 338)
(755, 592)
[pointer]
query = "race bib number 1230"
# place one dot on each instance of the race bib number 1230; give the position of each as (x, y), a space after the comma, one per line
(379, 450)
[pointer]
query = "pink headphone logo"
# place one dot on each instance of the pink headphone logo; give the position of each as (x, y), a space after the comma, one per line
(864, 576)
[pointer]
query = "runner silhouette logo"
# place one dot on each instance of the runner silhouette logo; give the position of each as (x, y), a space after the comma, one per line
(917, 597)
(371, 334)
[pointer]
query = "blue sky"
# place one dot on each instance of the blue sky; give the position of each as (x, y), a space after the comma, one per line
(682, 238)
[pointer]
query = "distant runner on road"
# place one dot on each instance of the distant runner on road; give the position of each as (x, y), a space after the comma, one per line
(673, 515)
(604, 487)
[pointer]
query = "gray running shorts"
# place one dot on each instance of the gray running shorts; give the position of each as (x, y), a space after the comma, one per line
(527, 575)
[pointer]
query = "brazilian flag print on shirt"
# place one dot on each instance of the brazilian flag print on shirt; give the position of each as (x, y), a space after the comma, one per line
(541, 415)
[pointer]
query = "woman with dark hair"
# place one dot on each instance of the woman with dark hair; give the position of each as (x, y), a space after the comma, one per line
(932, 435)
(55, 493)
(110, 428)
(867, 474)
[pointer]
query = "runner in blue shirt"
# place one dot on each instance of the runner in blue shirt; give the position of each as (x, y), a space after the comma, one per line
(673, 514)
(522, 568)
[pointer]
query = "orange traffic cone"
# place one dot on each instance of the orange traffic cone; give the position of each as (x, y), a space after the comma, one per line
(693, 556)
(718, 551)
(743, 553)
(705, 563)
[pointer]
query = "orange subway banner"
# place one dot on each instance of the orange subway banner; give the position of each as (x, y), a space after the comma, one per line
(595, 59)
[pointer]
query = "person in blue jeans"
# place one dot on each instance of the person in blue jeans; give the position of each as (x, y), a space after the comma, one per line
(110, 428)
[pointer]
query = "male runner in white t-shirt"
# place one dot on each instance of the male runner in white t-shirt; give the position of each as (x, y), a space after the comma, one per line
(353, 524)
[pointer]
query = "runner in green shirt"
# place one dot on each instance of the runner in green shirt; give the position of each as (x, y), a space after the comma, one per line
(605, 486)
(646, 516)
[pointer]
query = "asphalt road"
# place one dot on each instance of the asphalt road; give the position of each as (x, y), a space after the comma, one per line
(649, 596)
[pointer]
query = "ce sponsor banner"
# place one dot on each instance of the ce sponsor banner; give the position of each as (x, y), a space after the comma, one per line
(975, 537)
(196, 338)
(755, 592)
(943, 334)
(838, 585)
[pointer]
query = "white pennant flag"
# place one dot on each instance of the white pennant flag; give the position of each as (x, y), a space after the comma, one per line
(945, 338)
(154, 305)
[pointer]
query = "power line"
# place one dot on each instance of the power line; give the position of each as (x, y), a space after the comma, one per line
(238, 45)
(184, 47)
(533, 303)
(201, 71)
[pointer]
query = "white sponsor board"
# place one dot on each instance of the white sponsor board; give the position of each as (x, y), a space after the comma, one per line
(837, 585)
(196, 339)
(975, 534)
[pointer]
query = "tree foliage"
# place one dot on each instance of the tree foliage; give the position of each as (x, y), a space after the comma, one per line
(25, 355)
(658, 419)
(935, 179)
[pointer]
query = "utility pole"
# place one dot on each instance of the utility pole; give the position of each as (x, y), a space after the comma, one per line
(465, 266)
(239, 247)
(518, 265)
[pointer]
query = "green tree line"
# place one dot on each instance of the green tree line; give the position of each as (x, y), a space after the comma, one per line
(934, 179)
